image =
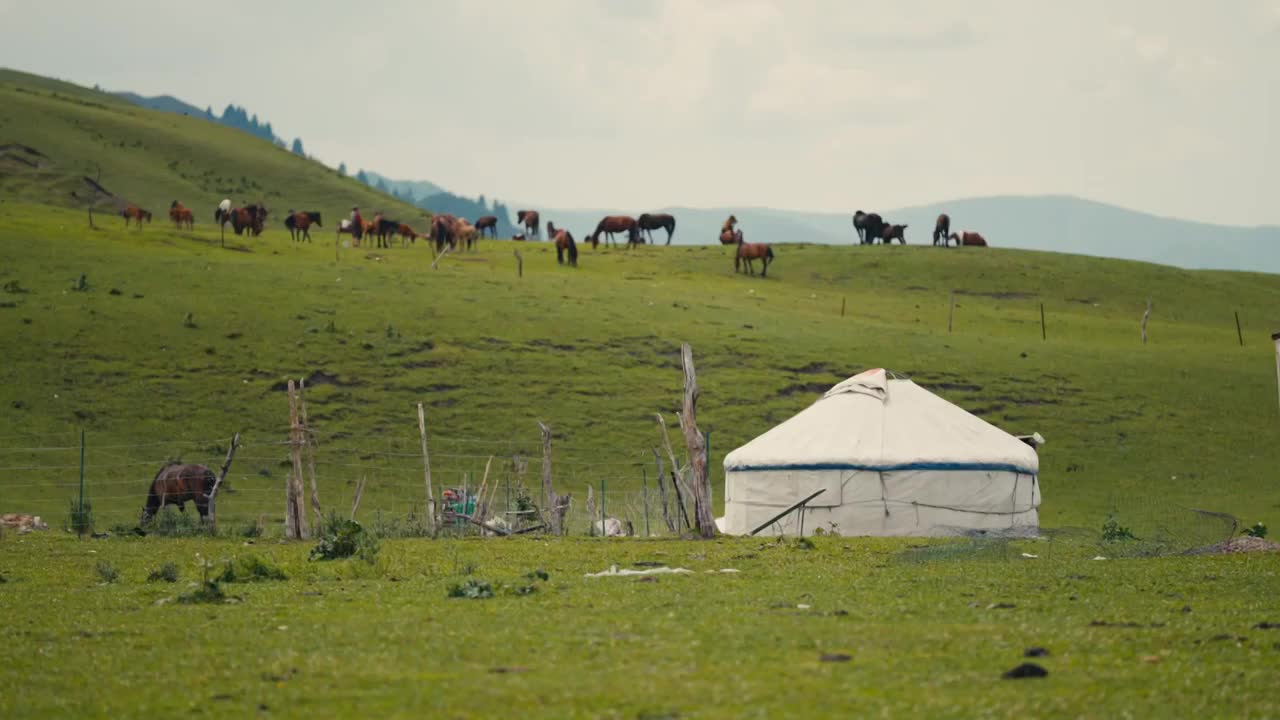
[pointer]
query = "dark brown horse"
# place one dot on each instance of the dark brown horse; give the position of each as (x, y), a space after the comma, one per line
(611, 224)
(443, 231)
(729, 224)
(564, 243)
(750, 252)
(181, 216)
(488, 222)
(250, 217)
(175, 484)
(407, 234)
(653, 221)
(299, 224)
(531, 222)
(869, 227)
(730, 237)
(894, 232)
(969, 239)
(941, 229)
(133, 213)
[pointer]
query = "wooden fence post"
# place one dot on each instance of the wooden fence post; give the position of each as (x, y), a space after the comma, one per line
(678, 483)
(519, 264)
(662, 494)
(1145, 316)
(1276, 338)
(310, 440)
(295, 515)
(1042, 332)
(1239, 333)
(213, 494)
(426, 470)
(556, 505)
(697, 448)
(951, 311)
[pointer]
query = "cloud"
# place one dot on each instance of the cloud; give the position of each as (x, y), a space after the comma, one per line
(806, 87)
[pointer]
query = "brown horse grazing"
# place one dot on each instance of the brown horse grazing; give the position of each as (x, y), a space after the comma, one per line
(611, 224)
(488, 222)
(941, 229)
(407, 233)
(894, 232)
(869, 227)
(653, 221)
(531, 222)
(299, 224)
(468, 236)
(175, 484)
(564, 242)
(749, 252)
(728, 237)
(250, 217)
(133, 213)
(181, 216)
(443, 231)
(969, 239)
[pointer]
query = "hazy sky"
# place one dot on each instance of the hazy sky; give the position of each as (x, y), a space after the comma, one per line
(1164, 106)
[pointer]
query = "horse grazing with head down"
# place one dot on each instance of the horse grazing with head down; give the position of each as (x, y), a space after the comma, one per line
(299, 224)
(443, 231)
(181, 216)
(653, 221)
(177, 483)
(969, 239)
(531, 222)
(250, 217)
(750, 252)
(564, 244)
(869, 227)
(467, 234)
(487, 222)
(611, 224)
(941, 229)
(894, 232)
(133, 213)
(407, 233)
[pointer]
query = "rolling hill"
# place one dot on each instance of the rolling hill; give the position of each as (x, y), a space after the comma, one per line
(159, 343)
(1051, 223)
(151, 158)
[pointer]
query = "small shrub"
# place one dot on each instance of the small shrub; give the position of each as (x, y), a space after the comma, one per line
(343, 539)
(80, 519)
(171, 523)
(1259, 530)
(471, 590)
(252, 530)
(1113, 531)
(250, 569)
(167, 572)
(207, 592)
(107, 572)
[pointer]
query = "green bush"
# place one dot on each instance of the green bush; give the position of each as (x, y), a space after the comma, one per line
(471, 590)
(343, 539)
(1259, 530)
(171, 523)
(167, 572)
(250, 569)
(80, 519)
(1113, 531)
(107, 572)
(208, 592)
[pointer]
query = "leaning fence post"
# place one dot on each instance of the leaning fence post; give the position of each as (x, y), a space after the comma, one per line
(1239, 333)
(80, 504)
(1276, 338)
(1042, 333)
(426, 469)
(213, 493)
(1145, 316)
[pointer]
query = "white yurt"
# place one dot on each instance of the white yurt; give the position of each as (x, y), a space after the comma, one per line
(890, 458)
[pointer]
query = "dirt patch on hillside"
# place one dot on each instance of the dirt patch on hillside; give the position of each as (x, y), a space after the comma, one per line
(1004, 295)
(806, 388)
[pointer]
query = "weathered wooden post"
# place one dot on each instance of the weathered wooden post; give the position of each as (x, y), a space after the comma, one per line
(1239, 333)
(519, 264)
(556, 505)
(1042, 333)
(309, 439)
(951, 311)
(697, 447)
(213, 493)
(426, 470)
(1145, 316)
(295, 512)
(1275, 337)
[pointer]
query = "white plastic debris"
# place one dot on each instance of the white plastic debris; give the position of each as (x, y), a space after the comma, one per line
(613, 571)
(1099, 558)
(1029, 555)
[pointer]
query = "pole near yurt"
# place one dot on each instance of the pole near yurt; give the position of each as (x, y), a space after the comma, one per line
(1275, 337)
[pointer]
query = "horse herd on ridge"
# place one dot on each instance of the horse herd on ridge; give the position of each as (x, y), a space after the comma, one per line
(453, 232)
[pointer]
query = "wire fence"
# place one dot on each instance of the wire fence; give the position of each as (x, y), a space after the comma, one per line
(501, 478)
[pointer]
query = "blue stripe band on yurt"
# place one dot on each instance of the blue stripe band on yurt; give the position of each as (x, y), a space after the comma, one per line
(990, 467)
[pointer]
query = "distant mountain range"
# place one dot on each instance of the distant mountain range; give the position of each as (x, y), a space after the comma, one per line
(1052, 222)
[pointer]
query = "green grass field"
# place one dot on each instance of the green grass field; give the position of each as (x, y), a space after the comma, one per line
(175, 343)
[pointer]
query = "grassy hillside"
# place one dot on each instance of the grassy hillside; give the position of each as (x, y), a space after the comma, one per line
(151, 158)
(1189, 419)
